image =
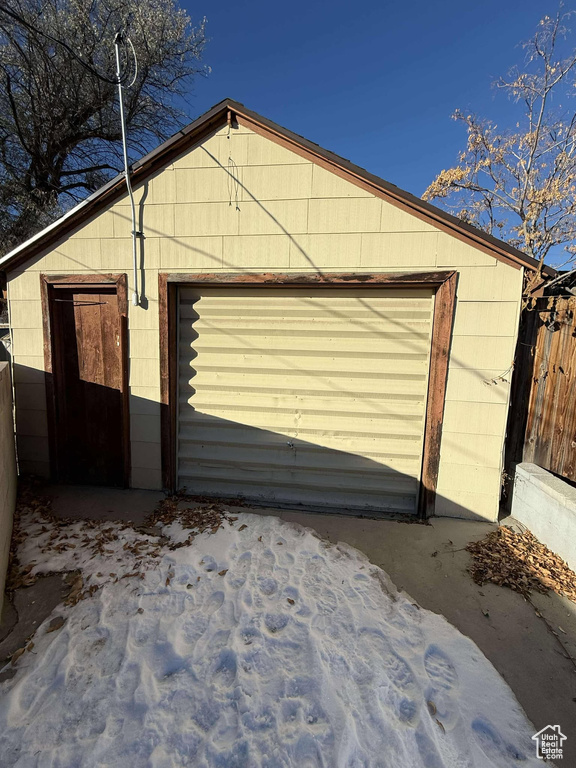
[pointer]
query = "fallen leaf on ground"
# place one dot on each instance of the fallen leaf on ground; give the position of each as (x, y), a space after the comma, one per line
(55, 624)
(522, 563)
(16, 655)
(439, 724)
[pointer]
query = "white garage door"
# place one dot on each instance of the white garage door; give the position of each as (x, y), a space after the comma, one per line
(312, 397)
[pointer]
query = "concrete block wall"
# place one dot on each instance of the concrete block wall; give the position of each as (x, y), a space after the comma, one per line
(8, 475)
(546, 505)
(239, 202)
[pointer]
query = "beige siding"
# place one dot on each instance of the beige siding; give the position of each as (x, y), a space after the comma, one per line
(242, 203)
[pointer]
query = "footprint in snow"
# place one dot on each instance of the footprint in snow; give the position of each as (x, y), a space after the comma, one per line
(225, 670)
(220, 639)
(275, 622)
(386, 660)
(33, 687)
(191, 630)
(164, 662)
(427, 750)
(327, 602)
(307, 753)
(267, 585)
(440, 669)
(145, 629)
(267, 562)
(127, 681)
(208, 564)
(240, 570)
(500, 752)
(171, 604)
(291, 593)
(446, 710)
(406, 621)
(404, 709)
(89, 643)
(316, 720)
(213, 603)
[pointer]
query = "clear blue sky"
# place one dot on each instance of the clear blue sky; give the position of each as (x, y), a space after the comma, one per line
(375, 82)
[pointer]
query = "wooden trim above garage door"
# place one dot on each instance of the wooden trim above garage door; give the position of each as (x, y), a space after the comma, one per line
(445, 299)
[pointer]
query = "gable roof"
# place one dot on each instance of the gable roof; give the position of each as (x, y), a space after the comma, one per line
(229, 111)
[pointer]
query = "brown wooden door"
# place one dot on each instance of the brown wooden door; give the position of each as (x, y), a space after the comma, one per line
(89, 374)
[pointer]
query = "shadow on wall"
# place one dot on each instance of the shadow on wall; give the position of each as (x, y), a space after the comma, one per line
(225, 457)
(33, 443)
(222, 457)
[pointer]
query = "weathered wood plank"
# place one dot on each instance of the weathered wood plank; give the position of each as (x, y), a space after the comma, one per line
(550, 438)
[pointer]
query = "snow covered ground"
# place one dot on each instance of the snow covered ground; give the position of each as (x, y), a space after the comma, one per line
(259, 646)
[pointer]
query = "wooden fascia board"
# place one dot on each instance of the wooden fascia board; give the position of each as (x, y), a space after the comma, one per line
(312, 279)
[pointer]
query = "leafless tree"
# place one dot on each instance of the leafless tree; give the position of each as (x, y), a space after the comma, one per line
(520, 184)
(59, 123)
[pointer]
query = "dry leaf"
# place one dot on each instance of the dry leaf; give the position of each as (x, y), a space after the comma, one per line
(440, 725)
(55, 624)
(522, 563)
(16, 655)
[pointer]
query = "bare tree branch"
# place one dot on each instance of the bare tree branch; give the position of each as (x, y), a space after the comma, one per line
(59, 123)
(523, 182)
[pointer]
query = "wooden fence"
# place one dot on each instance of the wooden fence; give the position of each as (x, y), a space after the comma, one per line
(544, 391)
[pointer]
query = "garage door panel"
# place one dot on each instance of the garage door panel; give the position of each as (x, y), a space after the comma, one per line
(223, 433)
(380, 405)
(341, 477)
(311, 398)
(288, 494)
(316, 459)
(316, 366)
(266, 475)
(287, 381)
(376, 327)
(283, 420)
(320, 343)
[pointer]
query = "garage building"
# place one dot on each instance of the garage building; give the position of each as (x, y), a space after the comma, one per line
(305, 334)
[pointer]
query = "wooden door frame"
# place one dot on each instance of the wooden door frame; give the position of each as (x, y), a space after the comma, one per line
(48, 283)
(444, 284)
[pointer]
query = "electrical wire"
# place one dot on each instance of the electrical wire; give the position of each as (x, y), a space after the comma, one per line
(135, 64)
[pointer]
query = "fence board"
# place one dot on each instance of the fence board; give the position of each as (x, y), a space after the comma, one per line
(550, 438)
